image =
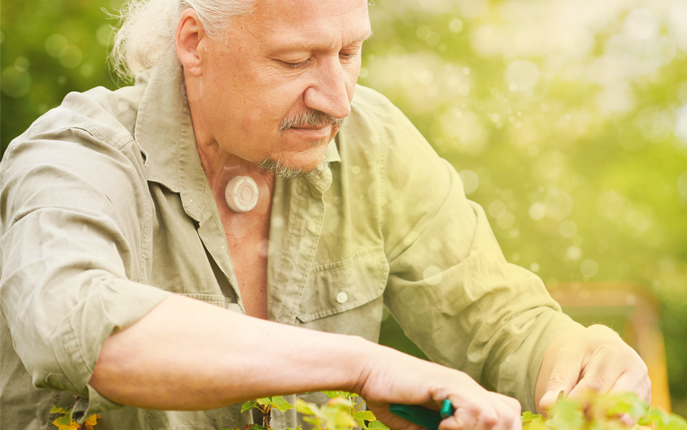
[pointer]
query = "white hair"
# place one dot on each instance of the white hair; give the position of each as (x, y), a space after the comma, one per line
(147, 27)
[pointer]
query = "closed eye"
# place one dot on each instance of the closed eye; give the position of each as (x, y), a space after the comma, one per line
(296, 65)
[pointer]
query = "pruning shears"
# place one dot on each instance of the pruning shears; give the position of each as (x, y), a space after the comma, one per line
(420, 415)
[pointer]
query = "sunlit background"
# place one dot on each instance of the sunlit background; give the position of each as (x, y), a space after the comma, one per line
(567, 120)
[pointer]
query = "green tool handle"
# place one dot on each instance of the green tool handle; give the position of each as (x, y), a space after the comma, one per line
(420, 415)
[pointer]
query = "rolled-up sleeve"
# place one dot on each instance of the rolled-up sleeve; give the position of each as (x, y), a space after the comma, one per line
(74, 224)
(450, 287)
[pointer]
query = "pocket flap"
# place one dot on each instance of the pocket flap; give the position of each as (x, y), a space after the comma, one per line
(344, 285)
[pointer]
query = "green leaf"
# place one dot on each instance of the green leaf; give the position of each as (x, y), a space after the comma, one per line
(297, 428)
(306, 408)
(312, 420)
(364, 415)
(248, 405)
(254, 427)
(264, 401)
(626, 403)
(377, 425)
(337, 418)
(56, 410)
(675, 422)
(280, 403)
(63, 421)
(344, 394)
(567, 415)
(528, 416)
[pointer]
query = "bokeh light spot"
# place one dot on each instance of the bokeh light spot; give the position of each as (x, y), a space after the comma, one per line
(470, 181)
(523, 75)
(103, 34)
(568, 229)
(54, 45)
(573, 253)
(505, 220)
(86, 70)
(456, 25)
(682, 185)
(681, 124)
(537, 211)
(589, 268)
(70, 56)
(15, 82)
(422, 32)
(21, 64)
(642, 23)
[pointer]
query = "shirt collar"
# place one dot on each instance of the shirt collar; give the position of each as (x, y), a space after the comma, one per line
(164, 131)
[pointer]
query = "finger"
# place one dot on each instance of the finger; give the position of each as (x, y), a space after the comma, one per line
(599, 376)
(488, 418)
(476, 415)
(508, 411)
(464, 418)
(564, 375)
(628, 420)
(454, 423)
(517, 425)
(635, 382)
(511, 403)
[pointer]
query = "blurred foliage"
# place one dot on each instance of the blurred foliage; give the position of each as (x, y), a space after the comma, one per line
(567, 120)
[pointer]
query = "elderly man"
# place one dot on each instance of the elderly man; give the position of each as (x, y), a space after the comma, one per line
(217, 232)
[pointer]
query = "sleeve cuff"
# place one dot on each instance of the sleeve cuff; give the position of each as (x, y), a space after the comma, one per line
(112, 306)
(521, 368)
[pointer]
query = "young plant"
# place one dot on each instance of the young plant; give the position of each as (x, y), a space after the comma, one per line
(65, 422)
(339, 413)
(622, 411)
(265, 406)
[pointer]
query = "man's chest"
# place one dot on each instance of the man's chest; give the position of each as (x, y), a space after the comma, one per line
(248, 246)
(318, 268)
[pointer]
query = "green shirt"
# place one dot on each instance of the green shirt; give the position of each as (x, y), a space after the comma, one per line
(106, 210)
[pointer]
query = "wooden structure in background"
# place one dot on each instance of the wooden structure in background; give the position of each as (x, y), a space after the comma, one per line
(631, 310)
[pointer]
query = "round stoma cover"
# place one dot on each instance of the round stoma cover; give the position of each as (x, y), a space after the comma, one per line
(241, 194)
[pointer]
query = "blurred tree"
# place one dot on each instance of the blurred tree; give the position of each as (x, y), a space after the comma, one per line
(49, 48)
(567, 120)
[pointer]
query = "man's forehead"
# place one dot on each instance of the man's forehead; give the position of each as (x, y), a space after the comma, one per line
(309, 20)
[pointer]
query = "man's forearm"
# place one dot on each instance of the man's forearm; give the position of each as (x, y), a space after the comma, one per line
(187, 355)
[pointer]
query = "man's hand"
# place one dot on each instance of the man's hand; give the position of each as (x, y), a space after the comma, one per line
(397, 378)
(595, 358)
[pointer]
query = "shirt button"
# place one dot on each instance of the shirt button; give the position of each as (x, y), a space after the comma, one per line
(342, 297)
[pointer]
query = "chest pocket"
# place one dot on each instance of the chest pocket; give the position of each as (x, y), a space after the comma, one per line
(346, 296)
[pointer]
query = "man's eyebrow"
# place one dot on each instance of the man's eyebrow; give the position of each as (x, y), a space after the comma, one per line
(307, 44)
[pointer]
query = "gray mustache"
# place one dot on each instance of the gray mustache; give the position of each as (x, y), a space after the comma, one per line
(311, 117)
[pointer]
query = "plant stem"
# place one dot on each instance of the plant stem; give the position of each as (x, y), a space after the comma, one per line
(266, 418)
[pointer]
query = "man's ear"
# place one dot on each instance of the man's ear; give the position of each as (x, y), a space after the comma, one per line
(187, 41)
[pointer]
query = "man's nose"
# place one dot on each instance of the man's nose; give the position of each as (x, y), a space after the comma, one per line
(328, 93)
